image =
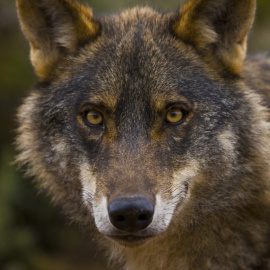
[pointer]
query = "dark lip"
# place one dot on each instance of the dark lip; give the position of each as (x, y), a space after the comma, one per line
(130, 240)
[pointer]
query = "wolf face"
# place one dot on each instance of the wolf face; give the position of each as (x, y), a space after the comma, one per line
(141, 122)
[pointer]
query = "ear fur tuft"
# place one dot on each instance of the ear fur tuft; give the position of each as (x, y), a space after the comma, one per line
(218, 30)
(53, 27)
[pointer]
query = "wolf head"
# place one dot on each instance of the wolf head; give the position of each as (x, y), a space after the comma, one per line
(141, 120)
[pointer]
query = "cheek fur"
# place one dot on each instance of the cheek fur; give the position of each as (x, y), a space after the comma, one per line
(167, 202)
(88, 182)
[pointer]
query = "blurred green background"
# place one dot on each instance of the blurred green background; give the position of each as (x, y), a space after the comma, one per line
(32, 233)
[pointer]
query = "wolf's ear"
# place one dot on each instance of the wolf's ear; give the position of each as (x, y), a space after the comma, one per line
(54, 28)
(218, 30)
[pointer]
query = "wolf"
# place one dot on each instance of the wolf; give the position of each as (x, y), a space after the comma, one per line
(152, 130)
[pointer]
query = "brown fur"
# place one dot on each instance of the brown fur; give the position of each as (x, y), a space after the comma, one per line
(72, 26)
(207, 176)
(220, 27)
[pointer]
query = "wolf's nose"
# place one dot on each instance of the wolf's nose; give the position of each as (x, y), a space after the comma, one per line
(131, 214)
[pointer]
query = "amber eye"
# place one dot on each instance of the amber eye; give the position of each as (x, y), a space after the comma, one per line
(93, 118)
(175, 116)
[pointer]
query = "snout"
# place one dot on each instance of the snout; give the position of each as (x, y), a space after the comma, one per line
(131, 214)
(133, 219)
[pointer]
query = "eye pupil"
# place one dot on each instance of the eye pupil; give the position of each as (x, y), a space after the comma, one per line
(94, 118)
(175, 115)
(95, 115)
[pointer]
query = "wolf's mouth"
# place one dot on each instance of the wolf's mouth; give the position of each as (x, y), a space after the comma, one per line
(131, 240)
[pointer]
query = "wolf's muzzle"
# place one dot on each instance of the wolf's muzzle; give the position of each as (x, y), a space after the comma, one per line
(131, 213)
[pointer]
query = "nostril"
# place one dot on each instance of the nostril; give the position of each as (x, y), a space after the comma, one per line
(142, 217)
(120, 218)
(133, 213)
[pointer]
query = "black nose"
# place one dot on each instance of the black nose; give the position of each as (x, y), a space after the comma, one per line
(131, 214)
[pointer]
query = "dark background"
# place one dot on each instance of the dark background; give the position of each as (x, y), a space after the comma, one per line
(33, 235)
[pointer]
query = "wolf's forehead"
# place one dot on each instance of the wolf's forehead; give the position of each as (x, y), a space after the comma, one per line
(139, 59)
(135, 34)
(132, 65)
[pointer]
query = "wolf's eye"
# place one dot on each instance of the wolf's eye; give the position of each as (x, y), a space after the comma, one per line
(175, 116)
(93, 118)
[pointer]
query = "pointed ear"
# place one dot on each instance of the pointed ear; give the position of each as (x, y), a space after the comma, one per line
(54, 28)
(218, 30)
